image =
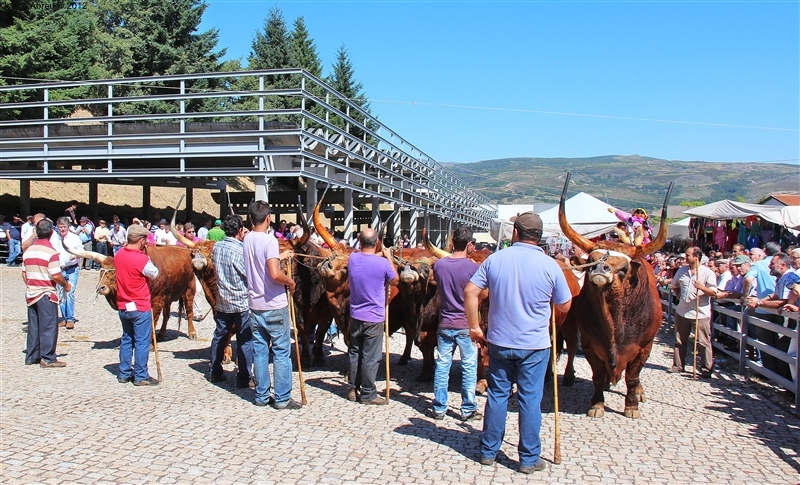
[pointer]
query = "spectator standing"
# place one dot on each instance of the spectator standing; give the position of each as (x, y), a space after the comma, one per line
(522, 282)
(27, 242)
(133, 269)
(41, 272)
(85, 231)
(216, 233)
(28, 229)
(70, 269)
(760, 283)
(724, 273)
(269, 308)
(452, 275)
(102, 234)
(368, 273)
(694, 285)
(13, 239)
(202, 233)
(160, 234)
(232, 305)
(69, 212)
(118, 236)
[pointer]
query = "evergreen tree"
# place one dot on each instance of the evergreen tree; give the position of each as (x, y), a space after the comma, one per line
(302, 51)
(270, 48)
(44, 41)
(343, 80)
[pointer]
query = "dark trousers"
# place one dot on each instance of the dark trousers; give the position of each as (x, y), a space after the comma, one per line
(244, 344)
(42, 331)
(102, 248)
(365, 356)
(86, 263)
(773, 340)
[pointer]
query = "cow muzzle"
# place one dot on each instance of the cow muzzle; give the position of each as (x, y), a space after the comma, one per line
(199, 262)
(601, 275)
(408, 275)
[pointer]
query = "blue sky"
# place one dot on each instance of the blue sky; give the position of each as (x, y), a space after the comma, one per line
(469, 81)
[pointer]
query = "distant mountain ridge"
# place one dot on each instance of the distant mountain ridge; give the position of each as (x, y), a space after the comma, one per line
(625, 181)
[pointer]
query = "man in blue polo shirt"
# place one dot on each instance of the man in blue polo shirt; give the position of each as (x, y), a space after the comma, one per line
(522, 282)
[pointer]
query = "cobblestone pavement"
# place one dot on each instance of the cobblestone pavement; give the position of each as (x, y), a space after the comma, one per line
(78, 425)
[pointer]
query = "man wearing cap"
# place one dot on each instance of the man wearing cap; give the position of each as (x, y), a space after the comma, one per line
(694, 285)
(85, 231)
(216, 233)
(133, 269)
(734, 290)
(780, 267)
(41, 272)
(118, 236)
(522, 282)
(102, 234)
(13, 240)
(70, 268)
(723, 268)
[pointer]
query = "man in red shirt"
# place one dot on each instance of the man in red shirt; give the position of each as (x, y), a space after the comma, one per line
(41, 271)
(133, 268)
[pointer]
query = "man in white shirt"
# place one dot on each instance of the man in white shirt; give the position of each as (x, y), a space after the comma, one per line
(70, 269)
(160, 235)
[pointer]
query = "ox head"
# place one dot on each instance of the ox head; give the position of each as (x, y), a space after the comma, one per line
(333, 269)
(613, 259)
(107, 283)
(201, 250)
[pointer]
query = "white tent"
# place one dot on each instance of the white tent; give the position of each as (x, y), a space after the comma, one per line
(788, 216)
(728, 209)
(587, 215)
(679, 228)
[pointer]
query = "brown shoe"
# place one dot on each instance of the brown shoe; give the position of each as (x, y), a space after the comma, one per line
(55, 363)
(70, 325)
(352, 395)
(379, 401)
(62, 323)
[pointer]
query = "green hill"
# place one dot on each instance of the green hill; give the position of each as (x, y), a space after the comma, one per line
(625, 181)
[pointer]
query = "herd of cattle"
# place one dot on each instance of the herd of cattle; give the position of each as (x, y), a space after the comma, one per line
(616, 309)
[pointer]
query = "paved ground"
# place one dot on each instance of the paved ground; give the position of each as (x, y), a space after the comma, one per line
(77, 424)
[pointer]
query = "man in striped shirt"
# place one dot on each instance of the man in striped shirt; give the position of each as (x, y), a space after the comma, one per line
(41, 271)
(232, 305)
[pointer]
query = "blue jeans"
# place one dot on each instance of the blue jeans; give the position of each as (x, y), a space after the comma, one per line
(14, 248)
(67, 302)
(271, 336)
(137, 331)
(527, 368)
(244, 344)
(116, 249)
(447, 341)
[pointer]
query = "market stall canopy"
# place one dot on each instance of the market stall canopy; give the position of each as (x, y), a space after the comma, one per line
(586, 214)
(728, 209)
(679, 228)
(788, 216)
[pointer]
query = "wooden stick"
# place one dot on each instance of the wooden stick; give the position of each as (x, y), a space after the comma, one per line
(557, 444)
(155, 346)
(386, 331)
(696, 319)
(296, 337)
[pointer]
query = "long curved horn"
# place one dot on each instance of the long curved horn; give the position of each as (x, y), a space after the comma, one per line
(86, 254)
(430, 247)
(568, 231)
(661, 238)
(301, 218)
(180, 237)
(448, 245)
(381, 232)
(326, 236)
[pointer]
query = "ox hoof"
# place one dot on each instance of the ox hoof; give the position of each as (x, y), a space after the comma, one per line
(402, 361)
(597, 411)
(192, 336)
(480, 388)
(160, 337)
(632, 413)
(305, 362)
(226, 360)
(568, 380)
(640, 396)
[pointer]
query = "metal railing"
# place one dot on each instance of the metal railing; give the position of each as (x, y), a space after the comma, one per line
(274, 123)
(744, 323)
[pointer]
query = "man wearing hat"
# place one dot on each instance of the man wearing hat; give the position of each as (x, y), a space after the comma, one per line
(216, 233)
(85, 231)
(522, 282)
(133, 269)
(733, 290)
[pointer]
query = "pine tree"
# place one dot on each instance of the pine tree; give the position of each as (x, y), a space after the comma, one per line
(270, 48)
(302, 51)
(343, 80)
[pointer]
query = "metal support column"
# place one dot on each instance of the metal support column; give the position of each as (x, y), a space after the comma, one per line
(146, 201)
(376, 213)
(397, 224)
(348, 214)
(311, 197)
(189, 203)
(93, 200)
(24, 198)
(438, 232)
(412, 227)
(262, 192)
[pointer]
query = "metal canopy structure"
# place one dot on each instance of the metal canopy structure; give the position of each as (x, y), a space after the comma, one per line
(175, 132)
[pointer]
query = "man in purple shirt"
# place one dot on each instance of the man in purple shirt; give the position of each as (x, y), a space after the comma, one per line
(368, 274)
(269, 308)
(452, 275)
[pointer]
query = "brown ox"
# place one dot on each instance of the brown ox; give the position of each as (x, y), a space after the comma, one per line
(618, 310)
(175, 282)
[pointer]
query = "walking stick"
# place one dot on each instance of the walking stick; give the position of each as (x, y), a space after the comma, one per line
(386, 331)
(296, 338)
(696, 319)
(557, 445)
(155, 347)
